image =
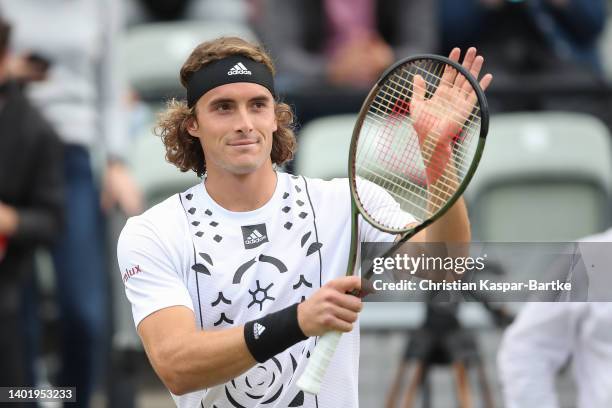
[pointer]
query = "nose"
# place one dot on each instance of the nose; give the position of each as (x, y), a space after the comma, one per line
(244, 121)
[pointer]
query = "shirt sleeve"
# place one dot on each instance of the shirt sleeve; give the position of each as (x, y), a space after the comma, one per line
(532, 351)
(385, 208)
(151, 266)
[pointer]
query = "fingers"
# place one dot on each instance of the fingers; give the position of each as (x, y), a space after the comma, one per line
(345, 284)
(346, 315)
(484, 84)
(418, 88)
(339, 325)
(474, 70)
(348, 302)
(468, 60)
(331, 308)
(473, 63)
(336, 317)
(455, 54)
(450, 73)
(486, 81)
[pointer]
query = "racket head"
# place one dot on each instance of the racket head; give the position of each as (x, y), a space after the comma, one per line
(384, 146)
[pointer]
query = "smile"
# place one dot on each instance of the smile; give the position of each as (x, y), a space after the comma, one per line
(243, 142)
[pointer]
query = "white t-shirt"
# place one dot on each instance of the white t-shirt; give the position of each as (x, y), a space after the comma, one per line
(233, 267)
(544, 335)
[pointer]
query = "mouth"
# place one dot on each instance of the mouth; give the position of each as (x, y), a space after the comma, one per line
(243, 142)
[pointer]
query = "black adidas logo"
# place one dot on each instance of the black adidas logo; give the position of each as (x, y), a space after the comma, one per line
(239, 69)
(254, 235)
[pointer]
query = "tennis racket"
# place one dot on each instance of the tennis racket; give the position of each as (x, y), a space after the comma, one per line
(416, 144)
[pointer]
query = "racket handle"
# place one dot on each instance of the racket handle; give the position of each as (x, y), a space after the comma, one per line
(312, 377)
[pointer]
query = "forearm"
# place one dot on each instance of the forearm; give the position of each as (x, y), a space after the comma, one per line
(452, 227)
(201, 359)
(443, 183)
(190, 360)
(38, 225)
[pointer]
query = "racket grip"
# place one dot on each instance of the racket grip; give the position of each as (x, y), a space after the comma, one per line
(312, 377)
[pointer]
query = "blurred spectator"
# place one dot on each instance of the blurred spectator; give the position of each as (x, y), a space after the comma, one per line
(330, 52)
(66, 53)
(148, 11)
(31, 199)
(526, 36)
(345, 42)
(545, 45)
(535, 37)
(545, 336)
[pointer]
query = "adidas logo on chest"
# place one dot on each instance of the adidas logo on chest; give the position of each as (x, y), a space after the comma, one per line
(254, 235)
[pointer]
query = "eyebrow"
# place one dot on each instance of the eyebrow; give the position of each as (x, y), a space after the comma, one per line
(257, 98)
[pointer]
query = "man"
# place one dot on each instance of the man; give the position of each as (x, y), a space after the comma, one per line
(31, 206)
(215, 274)
(545, 336)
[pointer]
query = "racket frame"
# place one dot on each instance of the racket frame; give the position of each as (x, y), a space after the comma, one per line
(484, 128)
(312, 377)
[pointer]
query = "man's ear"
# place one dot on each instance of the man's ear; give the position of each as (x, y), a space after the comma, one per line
(192, 126)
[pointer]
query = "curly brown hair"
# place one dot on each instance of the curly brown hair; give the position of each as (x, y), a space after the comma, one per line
(185, 151)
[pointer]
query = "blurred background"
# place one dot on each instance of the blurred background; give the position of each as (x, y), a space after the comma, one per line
(81, 82)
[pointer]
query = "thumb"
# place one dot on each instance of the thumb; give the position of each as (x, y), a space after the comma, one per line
(346, 284)
(418, 88)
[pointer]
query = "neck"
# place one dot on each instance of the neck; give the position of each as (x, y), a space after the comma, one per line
(241, 192)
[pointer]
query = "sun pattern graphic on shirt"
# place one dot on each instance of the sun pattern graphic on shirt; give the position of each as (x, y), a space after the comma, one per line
(260, 295)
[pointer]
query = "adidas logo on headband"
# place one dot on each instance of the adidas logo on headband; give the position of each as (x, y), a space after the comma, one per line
(239, 69)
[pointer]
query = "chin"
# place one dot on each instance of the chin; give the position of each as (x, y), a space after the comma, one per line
(245, 168)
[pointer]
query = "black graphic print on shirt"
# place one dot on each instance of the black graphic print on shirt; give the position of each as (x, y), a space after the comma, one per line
(234, 283)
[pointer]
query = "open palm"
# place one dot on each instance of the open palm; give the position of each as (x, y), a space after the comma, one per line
(440, 118)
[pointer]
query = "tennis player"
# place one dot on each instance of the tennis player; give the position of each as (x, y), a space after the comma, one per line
(232, 280)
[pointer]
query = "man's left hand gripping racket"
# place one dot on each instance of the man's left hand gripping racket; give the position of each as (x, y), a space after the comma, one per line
(416, 144)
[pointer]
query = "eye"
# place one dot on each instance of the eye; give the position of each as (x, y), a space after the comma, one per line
(259, 104)
(223, 107)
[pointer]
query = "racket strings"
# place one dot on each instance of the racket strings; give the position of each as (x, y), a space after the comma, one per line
(417, 195)
(460, 153)
(409, 156)
(437, 79)
(388, 98)
(442, 108)
(390, 164)
(398, 91)
(468, 131)
(466, 137)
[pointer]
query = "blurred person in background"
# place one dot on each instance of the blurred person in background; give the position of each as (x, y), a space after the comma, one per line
(546, 336)
(330, 52)
(66, 54)
(527, 35)
(545, 45)
(31, 199)
(149, 11)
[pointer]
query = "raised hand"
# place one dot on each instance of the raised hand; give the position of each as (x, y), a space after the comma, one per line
(441, 118)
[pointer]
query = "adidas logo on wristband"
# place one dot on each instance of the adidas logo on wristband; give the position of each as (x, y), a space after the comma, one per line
(258, 329)
(239, 69)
